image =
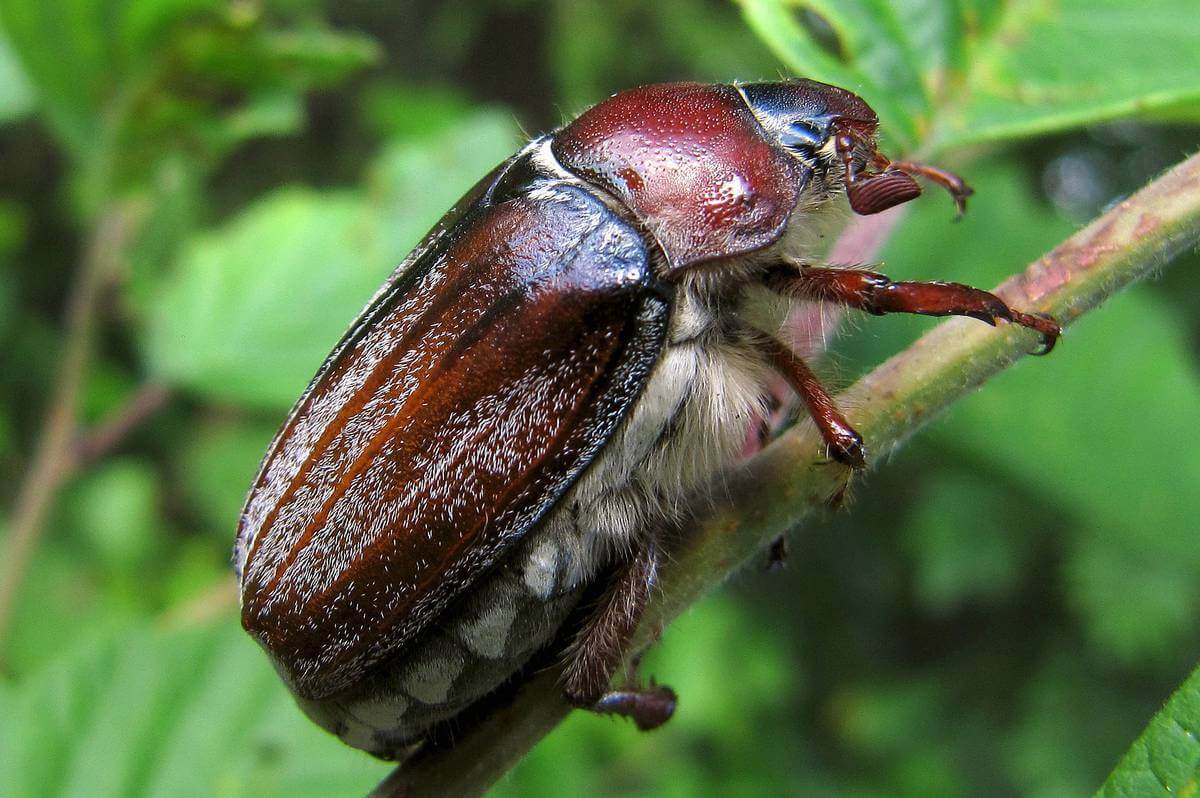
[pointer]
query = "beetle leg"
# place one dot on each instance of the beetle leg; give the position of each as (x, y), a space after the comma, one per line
(844, 443)
(875, 293)
(777, 554)
(599, 646)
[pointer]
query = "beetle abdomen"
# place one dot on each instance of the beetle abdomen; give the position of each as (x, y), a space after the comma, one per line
(471, 649)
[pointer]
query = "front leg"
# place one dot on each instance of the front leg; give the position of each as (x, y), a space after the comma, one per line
(599, 646)
(875, 293)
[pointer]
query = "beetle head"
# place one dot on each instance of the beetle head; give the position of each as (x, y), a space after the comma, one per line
(832, 131)
(805, 116)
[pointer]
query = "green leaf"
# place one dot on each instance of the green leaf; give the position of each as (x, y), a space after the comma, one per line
(318, 57)
(126, 83)
(401, 112)
(1165, 759)
(598, 47)
(16, 95)
(862, 45)
(1051, 66)
(189, 712)
(255, 56)
(77, 65)
(255, 306)
(66, 590)
(253, 302)
(217, 466)
(175, 196)
(115, 510)
(97, 568)
(413, 183)
(943, 75)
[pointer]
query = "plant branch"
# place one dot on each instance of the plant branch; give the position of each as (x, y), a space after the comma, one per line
(217, 601)
(54, 457)
(789, 479)
(95, 443)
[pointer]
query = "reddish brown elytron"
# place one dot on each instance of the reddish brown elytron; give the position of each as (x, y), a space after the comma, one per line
(405, 440)
(479, 476)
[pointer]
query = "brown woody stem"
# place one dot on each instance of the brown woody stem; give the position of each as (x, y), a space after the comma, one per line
(784, 483)
(147, 400)
(55, 457)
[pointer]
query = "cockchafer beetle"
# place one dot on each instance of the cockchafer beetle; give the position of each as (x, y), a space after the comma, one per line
(518, 412)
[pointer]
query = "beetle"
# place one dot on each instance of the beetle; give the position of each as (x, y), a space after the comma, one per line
(484, 465)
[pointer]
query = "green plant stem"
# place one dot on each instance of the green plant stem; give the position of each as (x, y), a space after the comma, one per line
(790, 479)
(54, 457)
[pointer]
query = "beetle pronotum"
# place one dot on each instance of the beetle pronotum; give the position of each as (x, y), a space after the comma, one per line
(512, 421)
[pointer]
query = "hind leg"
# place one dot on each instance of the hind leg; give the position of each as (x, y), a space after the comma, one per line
(600, 645)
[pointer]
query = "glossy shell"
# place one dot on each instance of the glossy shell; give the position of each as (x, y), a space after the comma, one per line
(692, 162)
(487, 374)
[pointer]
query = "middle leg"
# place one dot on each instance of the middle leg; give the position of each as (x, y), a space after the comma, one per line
(842, 441)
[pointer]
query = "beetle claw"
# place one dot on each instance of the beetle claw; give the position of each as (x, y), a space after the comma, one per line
(649, 707)
(1040, 322)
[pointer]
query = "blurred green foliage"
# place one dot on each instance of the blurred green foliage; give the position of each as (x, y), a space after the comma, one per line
(943, 75)
(1001, 610)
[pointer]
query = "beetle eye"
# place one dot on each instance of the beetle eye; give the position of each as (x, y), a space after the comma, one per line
(802, 134)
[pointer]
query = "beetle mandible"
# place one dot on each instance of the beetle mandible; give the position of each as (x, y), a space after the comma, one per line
(484, 465)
